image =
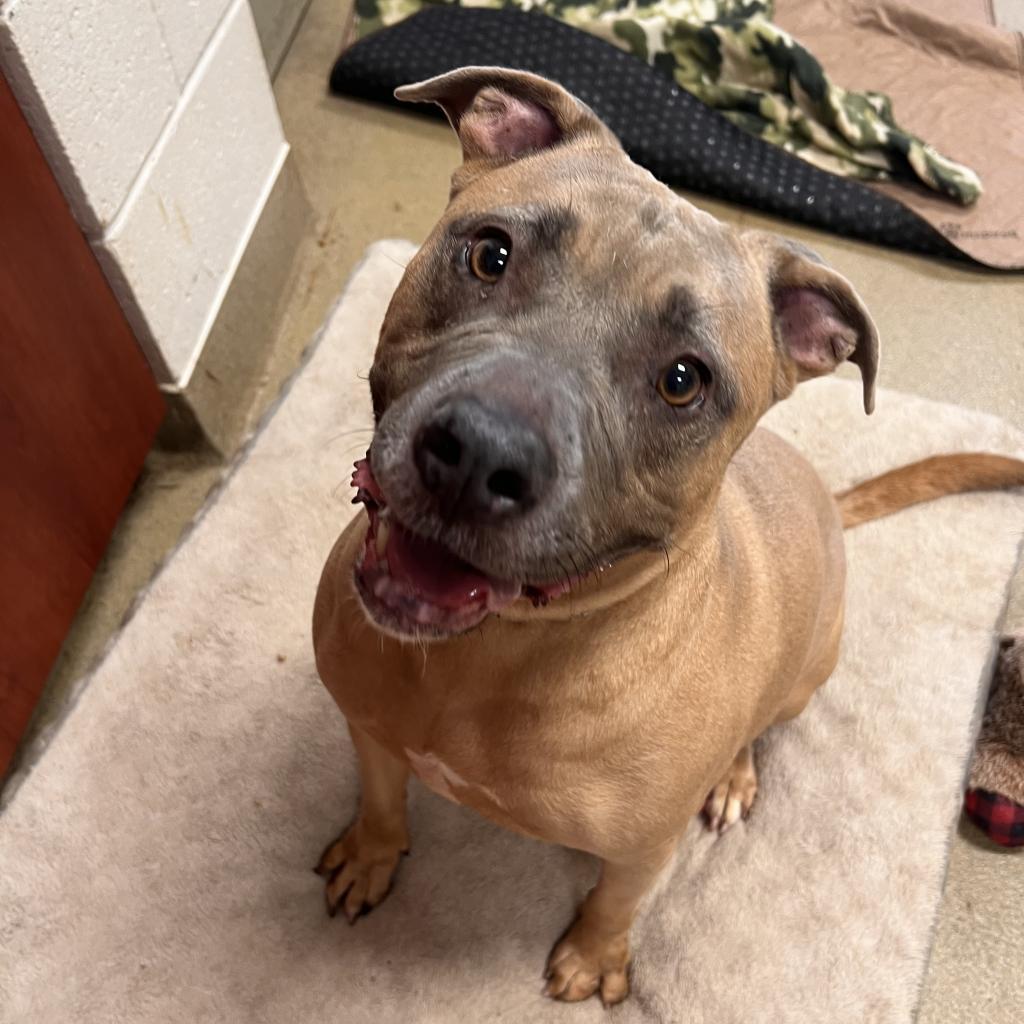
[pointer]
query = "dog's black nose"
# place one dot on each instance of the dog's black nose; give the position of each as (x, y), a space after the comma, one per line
(481, 464)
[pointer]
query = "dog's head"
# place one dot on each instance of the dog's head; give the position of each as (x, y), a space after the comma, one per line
(569, 362)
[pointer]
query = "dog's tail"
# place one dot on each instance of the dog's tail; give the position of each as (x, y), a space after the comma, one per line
(925, 480)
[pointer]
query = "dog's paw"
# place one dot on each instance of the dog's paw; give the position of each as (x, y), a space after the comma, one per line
(359, 870)
(733, 797)
(584, 962)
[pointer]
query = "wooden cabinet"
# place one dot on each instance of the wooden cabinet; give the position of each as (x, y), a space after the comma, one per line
(78, 412)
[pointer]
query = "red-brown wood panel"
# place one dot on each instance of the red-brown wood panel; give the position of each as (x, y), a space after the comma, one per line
(78, 412)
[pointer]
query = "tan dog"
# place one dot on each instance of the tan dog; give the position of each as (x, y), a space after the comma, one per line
(622, 582)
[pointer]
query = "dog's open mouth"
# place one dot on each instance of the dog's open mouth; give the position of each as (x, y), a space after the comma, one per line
(414, 586)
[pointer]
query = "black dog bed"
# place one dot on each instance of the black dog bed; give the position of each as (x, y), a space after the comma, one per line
(678, 138)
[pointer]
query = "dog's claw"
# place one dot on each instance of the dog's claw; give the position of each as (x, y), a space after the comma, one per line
(582, 964)
(730, 801)
(359, 872)
(342, 894)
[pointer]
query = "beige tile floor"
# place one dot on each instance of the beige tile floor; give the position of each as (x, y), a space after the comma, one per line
(950, 333)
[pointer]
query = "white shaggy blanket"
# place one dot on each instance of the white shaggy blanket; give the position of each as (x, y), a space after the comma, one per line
(156, 864)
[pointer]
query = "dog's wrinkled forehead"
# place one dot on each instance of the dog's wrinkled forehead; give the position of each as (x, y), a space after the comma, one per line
(607, 217)
(547, 199)
(598, 251)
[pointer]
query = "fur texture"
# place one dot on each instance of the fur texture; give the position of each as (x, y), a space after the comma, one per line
(156, 864)
(999, 760)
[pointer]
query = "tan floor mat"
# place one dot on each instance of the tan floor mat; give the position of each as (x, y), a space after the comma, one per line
(955, 80)
(156, 863)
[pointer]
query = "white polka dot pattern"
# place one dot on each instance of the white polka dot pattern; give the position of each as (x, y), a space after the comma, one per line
(678, 138)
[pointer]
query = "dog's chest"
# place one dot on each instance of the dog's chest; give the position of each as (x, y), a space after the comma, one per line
(455, 745)
(444, 780)
(555, 762)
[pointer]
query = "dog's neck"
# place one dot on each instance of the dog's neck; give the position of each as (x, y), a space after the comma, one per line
(693, 551)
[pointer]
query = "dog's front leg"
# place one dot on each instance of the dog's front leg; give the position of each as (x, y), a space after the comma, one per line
(593, 955)
(360, 865)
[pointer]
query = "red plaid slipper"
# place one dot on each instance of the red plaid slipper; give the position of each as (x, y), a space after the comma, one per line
(1000, 818)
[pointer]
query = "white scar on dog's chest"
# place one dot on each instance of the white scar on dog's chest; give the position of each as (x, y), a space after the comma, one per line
(435, 774)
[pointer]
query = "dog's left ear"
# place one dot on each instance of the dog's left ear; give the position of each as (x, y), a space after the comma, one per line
(818, 319)
(501, 115)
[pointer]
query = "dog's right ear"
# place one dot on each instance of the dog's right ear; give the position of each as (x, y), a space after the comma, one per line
(501, 115)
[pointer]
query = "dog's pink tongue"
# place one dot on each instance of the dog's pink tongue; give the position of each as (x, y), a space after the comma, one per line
(441, 578)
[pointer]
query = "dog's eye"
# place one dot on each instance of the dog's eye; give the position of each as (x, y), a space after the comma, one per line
(488, 257)
(682, 382)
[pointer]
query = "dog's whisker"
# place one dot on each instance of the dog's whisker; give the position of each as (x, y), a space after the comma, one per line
(675, 544)
(352, 451)
(568, 581)
(349, 433)
(595, 561)
(668, 561)
(576, 568)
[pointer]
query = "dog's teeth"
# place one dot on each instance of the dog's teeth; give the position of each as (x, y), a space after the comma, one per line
(383, 529)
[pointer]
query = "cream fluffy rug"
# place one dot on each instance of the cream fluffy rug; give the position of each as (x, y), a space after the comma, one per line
(156, 864)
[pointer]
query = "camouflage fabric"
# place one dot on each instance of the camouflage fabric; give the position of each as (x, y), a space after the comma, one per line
(730, 55)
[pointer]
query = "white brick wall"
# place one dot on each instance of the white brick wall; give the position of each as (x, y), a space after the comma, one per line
(96, 84)
(187, 26)
(159, 122)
